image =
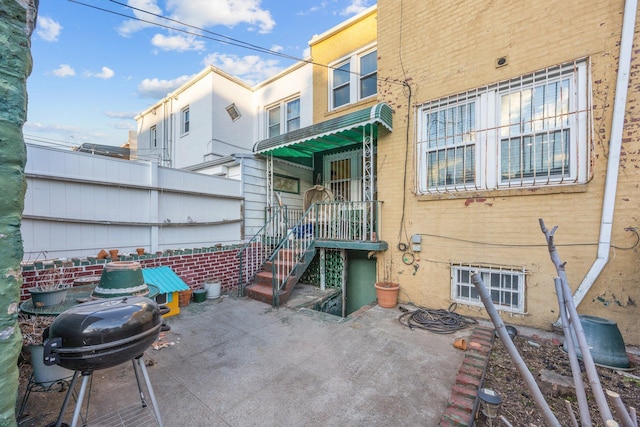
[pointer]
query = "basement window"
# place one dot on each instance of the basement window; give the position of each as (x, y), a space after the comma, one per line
(505, 284)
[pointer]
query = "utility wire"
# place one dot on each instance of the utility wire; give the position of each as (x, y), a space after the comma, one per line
(218, 37)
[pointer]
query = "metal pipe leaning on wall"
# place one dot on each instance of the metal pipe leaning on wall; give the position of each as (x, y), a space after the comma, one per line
(538, 399)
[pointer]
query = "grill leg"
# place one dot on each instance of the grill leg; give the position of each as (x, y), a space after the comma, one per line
(66, 398)
(135, 371)
(76, 413)
(150, 390)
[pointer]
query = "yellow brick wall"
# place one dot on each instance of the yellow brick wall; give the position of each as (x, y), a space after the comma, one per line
(446, 50)
(344, 42)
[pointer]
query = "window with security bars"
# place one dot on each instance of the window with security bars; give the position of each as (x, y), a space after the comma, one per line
(531, 130)
(506, 286)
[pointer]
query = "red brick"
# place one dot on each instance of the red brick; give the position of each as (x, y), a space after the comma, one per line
(457, 416)
(466, 379)
(463, 402)
(464, 390)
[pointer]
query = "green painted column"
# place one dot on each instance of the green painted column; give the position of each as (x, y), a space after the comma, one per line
(17, 21)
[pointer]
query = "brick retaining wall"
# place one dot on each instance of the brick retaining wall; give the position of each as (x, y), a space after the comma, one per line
(194, 266)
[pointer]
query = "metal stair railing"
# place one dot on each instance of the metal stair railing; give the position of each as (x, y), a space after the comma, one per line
(285, 259)
(254, 253)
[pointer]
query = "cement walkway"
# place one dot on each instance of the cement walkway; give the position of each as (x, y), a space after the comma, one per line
(238, 362)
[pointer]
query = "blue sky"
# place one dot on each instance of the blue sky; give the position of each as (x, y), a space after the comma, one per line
(94, 70)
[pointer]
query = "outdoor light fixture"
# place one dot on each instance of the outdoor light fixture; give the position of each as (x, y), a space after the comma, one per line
(490, 401)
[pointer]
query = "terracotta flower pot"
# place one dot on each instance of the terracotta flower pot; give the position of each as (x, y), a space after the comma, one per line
(140, 251)
(114, 254)
(387, 294)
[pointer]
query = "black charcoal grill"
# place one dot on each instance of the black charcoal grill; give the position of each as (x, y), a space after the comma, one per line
(100, 334)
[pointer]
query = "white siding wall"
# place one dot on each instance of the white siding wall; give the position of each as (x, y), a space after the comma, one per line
(77, 204)
(298, 82)
(211, 130)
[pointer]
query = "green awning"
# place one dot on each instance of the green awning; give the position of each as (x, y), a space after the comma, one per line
(300, 145)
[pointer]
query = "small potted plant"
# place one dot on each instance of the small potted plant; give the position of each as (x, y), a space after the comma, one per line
(387, 290)
(52, 287)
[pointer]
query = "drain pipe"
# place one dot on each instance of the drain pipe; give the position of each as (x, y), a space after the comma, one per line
(615, 146)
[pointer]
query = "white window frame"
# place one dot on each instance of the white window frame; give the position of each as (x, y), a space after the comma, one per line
(354, 81)
(153, 135)
(185, 121)
(499, 282)
(489, 131)
(284, 119)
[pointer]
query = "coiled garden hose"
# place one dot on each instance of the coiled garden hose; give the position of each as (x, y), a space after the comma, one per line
(437, 321)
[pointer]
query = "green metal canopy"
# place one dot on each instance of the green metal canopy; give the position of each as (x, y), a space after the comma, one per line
(300, 145)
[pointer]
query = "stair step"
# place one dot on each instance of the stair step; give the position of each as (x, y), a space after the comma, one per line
(287, 264)
(264, 293)
(265, 278)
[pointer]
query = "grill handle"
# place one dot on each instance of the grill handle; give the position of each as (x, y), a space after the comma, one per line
(50, 356)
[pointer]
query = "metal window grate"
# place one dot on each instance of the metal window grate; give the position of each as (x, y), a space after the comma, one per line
(505, 284)
(531, 130)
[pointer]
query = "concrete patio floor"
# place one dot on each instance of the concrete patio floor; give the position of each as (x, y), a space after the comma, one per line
(239, 362)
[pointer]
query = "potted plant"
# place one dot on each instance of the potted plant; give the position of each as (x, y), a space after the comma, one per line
(387, 290)
(52, 287)
(32, 327)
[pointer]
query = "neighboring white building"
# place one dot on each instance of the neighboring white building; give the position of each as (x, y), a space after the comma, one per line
(215, 115)
(211, 124)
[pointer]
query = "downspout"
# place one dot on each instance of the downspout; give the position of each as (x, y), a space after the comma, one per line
(615, 146)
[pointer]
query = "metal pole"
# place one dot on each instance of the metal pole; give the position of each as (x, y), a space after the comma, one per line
(542, 405)
(585, 418)
(587, 359)
(83, 388)
(150, 390)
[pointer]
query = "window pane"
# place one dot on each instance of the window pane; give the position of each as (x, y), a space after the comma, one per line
(273, 117)
(341, 78)
(451, 166)
(369, 86)
(368, 74)
(341, 96)
(540, 155)
(293, 115)
(185, 121)
(369, 63)
(341, 75)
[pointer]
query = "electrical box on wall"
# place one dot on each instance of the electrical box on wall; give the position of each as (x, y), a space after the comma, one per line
(416, 241)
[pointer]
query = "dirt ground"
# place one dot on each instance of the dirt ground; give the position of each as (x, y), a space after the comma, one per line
(538, 354)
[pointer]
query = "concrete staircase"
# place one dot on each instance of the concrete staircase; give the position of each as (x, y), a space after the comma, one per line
(285, 261)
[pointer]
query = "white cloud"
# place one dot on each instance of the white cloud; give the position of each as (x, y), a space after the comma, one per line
(64, 70)
(200, 13)
(355, 7)
(203, 13)
(156, 88)
(178, 43)
(131, 26)
(48, 29)
(277, 48)
(105, 73)
(251, 68)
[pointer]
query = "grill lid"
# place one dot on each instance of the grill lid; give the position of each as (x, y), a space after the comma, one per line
(102, 333)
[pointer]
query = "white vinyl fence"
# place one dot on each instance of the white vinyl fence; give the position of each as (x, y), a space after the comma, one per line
(78, 203)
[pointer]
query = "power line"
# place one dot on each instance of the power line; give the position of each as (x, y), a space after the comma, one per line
(225, 39)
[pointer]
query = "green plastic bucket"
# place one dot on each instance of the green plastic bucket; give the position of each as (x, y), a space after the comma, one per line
(199, 295)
